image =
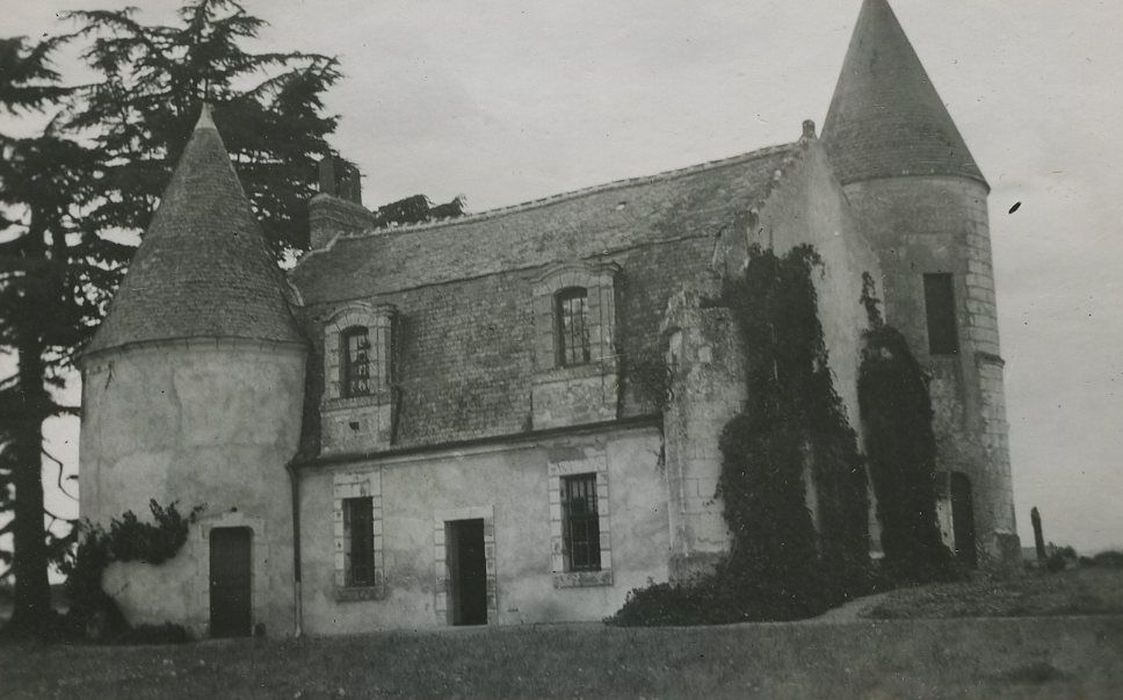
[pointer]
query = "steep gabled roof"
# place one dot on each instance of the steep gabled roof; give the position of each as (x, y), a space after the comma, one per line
(203, 269)
(693, 201)
(886, 119)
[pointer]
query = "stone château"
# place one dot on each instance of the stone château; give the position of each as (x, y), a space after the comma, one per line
(446, 423)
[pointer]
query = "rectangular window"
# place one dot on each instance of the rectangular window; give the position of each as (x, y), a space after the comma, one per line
(581, 522)
(939, 304)
(573, 327)
(358, 537)
(356, 380)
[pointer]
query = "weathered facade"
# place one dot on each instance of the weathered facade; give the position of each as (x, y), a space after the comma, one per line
(513, 417)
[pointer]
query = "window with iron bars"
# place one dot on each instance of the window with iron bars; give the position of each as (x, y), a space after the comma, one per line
(358, 534)
(571, 310)
(581, 522)
(355, 364)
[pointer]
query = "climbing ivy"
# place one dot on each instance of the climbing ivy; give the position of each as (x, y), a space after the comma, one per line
(793, 428)
(782, 564)
(127, 539)
(896, 412)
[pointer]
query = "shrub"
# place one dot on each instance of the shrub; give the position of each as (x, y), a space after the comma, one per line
(1111, 559)
(92, 611)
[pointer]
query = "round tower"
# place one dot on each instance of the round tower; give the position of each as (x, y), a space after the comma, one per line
(922, 202)
(192, 393)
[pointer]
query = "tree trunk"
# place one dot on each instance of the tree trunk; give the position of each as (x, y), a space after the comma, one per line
(32, 590)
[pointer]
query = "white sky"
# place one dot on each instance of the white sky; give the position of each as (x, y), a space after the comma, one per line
(513, 100)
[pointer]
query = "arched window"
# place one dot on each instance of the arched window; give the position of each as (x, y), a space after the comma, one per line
(354, 365)
(571, 311)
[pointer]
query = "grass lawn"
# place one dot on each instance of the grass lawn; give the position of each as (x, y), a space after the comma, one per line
(1060, 657)
(975, 651)
(1083, 591)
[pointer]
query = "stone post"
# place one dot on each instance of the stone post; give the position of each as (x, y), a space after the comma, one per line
(1038, 537)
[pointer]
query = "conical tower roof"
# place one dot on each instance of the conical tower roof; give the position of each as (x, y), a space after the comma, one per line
(203, 269)
(886, 119)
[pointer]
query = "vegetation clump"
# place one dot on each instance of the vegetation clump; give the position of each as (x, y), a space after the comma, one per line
(900, 444)
(127, 539)
(795, 552)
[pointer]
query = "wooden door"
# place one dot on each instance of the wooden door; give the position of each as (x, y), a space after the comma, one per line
(231, 581)
(468, 571)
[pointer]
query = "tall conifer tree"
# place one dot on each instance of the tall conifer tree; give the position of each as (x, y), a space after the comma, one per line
(47, 183)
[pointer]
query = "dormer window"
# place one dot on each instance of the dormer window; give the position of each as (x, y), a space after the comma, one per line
(357, 406)
(571, 311)
(354, 365)
(574, 351)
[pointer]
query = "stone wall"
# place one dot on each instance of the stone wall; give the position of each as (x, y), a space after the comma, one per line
(466, 351)
(200, 422)
(805, 206)
(512, 486)
(939, 225)
(705, 357)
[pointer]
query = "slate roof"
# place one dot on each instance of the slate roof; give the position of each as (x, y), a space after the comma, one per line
(203, 269)
(688, 202)
(886, 119)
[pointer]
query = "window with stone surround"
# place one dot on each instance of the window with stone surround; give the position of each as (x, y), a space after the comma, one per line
(572, 312)
(356, 408)
(354, 365)
(357, 522)
(939, 307)
(576, 381)
(579, 522)
(358, 541)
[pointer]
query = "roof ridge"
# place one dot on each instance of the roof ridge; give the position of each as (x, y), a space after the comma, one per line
(572, 194)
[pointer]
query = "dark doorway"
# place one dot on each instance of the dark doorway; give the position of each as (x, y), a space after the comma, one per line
(231, 582)
(963, 519)
(467, 572)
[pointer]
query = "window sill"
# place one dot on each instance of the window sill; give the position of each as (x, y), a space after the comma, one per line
(373, 399)
(352, 594)
(583, 579)
(595, 368)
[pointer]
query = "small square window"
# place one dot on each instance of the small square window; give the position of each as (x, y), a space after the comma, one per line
(939, 305)
(358, 539)
(581, 522)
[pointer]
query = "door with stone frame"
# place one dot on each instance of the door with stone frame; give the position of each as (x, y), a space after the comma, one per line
(231, 581)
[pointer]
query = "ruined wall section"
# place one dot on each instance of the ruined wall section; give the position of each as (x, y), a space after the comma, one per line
(805, 206)
(705, 358)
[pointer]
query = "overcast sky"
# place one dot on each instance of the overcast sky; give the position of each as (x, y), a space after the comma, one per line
(509, 101)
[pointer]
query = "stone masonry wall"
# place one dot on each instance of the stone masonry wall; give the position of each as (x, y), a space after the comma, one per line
(465, 351)
(200, 422)
(806, 205)
(705, 356)
(940, 225)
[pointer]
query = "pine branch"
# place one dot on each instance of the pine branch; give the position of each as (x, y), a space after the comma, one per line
(61, 470)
